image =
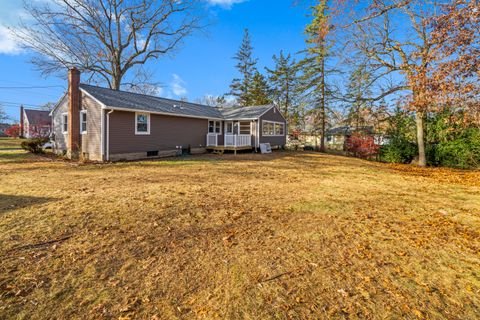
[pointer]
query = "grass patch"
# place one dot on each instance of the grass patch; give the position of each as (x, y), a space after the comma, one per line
(288, 235)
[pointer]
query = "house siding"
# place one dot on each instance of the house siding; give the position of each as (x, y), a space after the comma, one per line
(275, 141)
(166, 133)
(91, 141)
(60, 145)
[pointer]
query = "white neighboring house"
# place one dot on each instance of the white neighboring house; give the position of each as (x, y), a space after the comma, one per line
(35, 123)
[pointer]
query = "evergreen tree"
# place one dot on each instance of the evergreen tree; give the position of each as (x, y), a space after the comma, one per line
(284, 82)
(314, 70)
(260, 92)
(246, 65)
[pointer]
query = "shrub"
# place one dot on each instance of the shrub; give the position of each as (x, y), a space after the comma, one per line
(461, 152)
(34, 145)
(362, 146)
(398, 150)
(13, 131)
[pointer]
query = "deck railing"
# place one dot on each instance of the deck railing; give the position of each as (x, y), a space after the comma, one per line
(212, 140)
(238, 140)
(230, 140)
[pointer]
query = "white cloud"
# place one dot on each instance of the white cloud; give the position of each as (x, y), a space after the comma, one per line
(224, 3)
(8, 44)
(177, 85)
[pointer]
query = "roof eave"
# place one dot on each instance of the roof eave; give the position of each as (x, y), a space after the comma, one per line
(161, 113)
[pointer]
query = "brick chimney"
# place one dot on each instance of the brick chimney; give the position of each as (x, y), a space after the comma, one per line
(21, 122)
(73, 143)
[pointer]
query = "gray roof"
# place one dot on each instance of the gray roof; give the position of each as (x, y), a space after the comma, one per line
(135, 101)
(38, 117)
(244, 112)
(141, 102)
(348, 130)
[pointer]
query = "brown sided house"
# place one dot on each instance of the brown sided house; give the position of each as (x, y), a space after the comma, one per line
(34, 123)
(108, 125)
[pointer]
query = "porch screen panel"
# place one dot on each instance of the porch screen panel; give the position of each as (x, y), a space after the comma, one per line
(244, 127)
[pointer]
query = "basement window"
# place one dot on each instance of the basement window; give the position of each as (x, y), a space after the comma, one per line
(152, 153)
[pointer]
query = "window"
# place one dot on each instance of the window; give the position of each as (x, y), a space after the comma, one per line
(229, 127)
(215, 127)
(65, 122)
(279, 129)
(83, 121)
(142, 123)
(267, 128)
(270, 128)
(244, 127)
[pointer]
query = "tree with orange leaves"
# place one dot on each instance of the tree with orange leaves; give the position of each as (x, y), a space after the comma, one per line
(431, 48)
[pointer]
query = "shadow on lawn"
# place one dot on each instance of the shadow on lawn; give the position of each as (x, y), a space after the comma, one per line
(11, 202)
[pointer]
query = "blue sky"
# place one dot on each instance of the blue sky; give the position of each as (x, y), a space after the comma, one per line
(202, 66)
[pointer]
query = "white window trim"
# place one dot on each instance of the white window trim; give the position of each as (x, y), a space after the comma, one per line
(63, 122)
(214, 127)
(81, 112)
(136, 123)
(273, 122)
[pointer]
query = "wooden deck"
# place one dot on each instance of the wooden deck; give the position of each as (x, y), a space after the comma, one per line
(222, 149)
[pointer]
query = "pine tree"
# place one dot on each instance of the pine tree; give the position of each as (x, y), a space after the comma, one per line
(314, 77)
(246, 65)
(284, 82)
(260, 92)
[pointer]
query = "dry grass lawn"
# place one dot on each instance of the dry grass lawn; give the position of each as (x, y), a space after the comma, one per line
(283, 236)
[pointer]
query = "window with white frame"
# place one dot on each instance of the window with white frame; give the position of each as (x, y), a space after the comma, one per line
(142, 123)
(83, 121)
(215, 127)
(65, 122)
(244, 127)
(279, 129)
(270, 128)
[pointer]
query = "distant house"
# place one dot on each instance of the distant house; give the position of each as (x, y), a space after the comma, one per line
(336, 138)
(103, 124)
(3, 127)
(35, 123)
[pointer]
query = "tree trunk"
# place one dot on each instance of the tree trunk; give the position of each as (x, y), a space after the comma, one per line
(419, 119)
(322, 110)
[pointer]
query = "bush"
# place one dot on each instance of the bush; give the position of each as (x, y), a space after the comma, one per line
(461, 152)
(362, 146)
(13, 131)
(34, 145)
(398, 150)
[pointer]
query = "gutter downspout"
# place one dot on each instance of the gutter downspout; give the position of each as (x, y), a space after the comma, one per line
(108, 135)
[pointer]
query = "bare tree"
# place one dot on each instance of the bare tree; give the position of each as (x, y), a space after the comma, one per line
(105, 38)
(407, 54)
(3, 115)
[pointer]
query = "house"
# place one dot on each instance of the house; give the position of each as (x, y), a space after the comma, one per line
(34, 123)
(108, 125)
(3, 127)
(337, 138)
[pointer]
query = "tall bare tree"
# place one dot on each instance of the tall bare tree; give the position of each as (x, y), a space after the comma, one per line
(396, 37)
(105, 38)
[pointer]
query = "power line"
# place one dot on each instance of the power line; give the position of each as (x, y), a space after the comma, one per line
(33, 87)
(18, 104)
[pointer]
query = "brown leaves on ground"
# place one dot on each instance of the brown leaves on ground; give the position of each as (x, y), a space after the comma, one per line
(454, 176)
(282, 236)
